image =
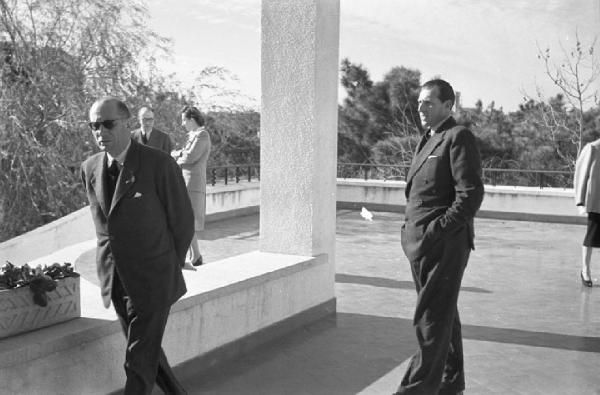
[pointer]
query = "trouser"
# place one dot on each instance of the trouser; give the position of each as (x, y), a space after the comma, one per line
(145, 360)
(437, 366)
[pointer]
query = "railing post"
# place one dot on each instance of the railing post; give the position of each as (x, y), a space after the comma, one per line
(213, 176)
(226, 175)
(237, 175)
(366, 171)
(249, 173)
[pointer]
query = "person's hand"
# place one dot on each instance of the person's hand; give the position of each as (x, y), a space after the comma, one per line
(175, 154)
(581, 210)
(188, 266)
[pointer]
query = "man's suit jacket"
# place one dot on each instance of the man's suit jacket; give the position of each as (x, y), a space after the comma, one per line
(444, 189)
(158, 139)
(587, 178)
(145, 232)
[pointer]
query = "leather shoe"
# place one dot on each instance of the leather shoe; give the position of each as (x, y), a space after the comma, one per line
(198, 261)
(587, 283)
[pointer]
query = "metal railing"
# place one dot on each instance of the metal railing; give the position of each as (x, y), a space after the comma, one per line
(491, 176)
(529, 178)
(232, 173)
(372, 171)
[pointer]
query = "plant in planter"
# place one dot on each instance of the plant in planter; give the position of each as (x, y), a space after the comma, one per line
(39, 279)
(32, 298)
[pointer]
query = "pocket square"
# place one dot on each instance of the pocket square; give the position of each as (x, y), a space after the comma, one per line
(137, 195)
(432, 156)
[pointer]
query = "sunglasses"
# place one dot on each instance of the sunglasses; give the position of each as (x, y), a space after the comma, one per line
(108, 124)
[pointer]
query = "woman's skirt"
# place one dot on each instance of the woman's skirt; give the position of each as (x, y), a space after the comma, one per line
(592, 236)
(198, 200)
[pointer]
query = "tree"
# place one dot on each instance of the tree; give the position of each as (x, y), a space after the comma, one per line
(58, 56)
(215, 89)
(235, 137)
(374, 112)
(354, 116)
(575, 74)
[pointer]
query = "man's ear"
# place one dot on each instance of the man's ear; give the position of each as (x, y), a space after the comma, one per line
(448, 105)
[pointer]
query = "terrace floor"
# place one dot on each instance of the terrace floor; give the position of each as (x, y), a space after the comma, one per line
(529, 327)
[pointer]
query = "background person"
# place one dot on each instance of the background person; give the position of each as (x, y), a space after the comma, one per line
(444, 190)
(587, 199)
(143, 219)
(193, 159)
(147, 134)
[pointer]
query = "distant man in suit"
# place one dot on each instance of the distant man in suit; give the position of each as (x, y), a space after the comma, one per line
(443, 192)
(149, 135)
(144, 225)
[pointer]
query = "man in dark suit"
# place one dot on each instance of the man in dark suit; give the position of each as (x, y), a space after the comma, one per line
(144, 224)
(150, 136)
(443, 192)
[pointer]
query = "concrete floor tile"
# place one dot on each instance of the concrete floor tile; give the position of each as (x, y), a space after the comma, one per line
(528, 326)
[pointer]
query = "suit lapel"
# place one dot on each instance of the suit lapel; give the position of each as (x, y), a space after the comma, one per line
(429, 147)
(127, 176)
(98, 180)
(152, 139)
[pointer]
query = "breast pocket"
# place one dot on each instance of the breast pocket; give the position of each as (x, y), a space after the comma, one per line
(431, 167)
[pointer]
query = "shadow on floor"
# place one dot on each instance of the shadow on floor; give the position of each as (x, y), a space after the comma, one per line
(390, 283)
(241, 227)
(344, 354)
(340, 354)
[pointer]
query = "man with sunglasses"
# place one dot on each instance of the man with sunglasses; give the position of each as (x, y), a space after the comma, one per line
(144, 225)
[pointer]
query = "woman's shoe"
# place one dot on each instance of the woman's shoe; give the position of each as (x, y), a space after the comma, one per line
(199, 262)
(587, 283)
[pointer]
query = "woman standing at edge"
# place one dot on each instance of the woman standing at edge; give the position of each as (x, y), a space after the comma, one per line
(587, 199)
(193, 159)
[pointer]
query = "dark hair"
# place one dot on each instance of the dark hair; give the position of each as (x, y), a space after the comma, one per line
(445, 91)
(193, 113)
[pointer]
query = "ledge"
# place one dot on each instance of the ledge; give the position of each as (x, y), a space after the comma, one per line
(231, 306)
(236, 273)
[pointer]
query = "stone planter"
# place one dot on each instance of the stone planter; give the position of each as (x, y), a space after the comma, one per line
(19, 314)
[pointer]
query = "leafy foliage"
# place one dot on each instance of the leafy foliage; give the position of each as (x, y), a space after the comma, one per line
(12, 276)
(39, 279)
(378, 123)
(58, 56)
(376, 112)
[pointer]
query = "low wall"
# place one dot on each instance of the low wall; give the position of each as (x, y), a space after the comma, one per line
(231, 306)
(222, 201)
(500, 202)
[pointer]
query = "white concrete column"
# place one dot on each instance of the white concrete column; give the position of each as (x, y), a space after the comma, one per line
(300, 41)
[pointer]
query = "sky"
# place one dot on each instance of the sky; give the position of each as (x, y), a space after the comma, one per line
(487, 49)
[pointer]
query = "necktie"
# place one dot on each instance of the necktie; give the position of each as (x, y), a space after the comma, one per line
(144, 138)
(113, 175)
(424, 140)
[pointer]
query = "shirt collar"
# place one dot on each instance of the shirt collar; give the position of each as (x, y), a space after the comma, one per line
(436, 127)
(121, 157)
